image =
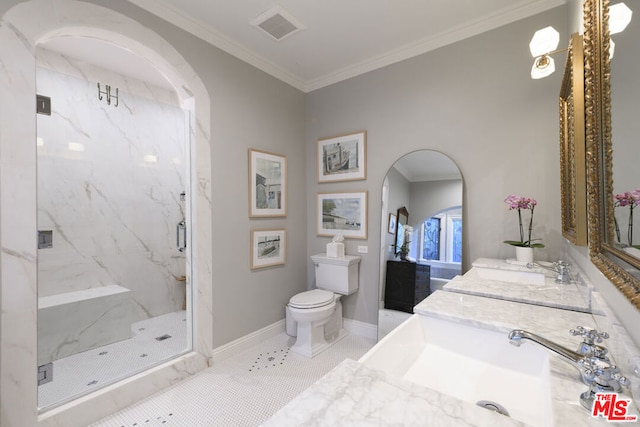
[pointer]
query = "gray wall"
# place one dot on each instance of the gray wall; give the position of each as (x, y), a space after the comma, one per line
(430, 197)
(473, 101)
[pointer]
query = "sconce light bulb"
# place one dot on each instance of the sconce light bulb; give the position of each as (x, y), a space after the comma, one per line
(544, 41)
(612, 49)
(543, 66)
(619, 17)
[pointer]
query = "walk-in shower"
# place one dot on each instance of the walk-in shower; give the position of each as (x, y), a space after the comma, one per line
(112, 193)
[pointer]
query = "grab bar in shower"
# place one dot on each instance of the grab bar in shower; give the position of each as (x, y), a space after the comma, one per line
(182, 225)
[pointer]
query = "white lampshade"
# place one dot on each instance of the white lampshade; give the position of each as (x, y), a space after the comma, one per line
(543, 66)
(544, 41)
(612, 49)
(619, 18)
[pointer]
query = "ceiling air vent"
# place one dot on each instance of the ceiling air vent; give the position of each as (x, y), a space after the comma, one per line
(277, 23)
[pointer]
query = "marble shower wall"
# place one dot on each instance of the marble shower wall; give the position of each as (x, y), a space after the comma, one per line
(109, 184)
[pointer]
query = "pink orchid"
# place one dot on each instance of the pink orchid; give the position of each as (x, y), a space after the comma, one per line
(631, 199)
(523, 203)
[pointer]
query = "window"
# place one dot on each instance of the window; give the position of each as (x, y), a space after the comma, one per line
(431, 239)
(441, 237)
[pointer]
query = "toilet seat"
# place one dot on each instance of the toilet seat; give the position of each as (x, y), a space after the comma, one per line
(312, 299)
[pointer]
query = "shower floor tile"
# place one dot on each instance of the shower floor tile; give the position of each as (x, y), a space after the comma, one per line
(93, 369)
(244, 390)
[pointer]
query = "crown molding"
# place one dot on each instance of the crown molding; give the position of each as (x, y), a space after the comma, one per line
(434, 42)
(213, 37)
(210, 35)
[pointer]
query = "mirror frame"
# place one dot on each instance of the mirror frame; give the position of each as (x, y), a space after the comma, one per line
(401, 211)
(621, 268)
(573, 185)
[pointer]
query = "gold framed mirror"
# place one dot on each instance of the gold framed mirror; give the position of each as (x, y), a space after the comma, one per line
(619, 265)
(402, 219)
(573, 184)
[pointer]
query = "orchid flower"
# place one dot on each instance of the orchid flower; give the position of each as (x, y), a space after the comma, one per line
(520, 203)
(631, 199)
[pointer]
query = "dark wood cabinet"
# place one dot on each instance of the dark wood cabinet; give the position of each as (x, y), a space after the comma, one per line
(407, 284)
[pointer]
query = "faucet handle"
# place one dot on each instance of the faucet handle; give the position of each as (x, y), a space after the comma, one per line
(606, 377)
(563, 270)
(589, 336)
(602, 379)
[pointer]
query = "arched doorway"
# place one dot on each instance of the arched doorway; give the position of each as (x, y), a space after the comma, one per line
(23, 27)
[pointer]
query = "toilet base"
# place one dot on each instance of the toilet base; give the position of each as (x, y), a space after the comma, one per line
(304, 340)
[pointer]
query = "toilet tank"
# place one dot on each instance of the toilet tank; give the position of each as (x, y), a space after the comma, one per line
(339, 275)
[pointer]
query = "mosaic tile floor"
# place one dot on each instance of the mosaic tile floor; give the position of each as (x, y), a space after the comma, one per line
(244, 390)
(153, 341)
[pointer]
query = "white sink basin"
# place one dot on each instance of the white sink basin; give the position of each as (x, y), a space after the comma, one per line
(469, 363)
(512, 276)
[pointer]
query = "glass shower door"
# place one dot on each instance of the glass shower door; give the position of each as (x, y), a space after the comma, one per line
(113, 174)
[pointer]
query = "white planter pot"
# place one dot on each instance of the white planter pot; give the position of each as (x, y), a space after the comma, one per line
(524, 254)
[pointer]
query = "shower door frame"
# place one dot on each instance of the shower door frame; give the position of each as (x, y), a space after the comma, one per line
(120, 211)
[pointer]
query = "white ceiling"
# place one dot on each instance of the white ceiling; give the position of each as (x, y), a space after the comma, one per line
(342, 38)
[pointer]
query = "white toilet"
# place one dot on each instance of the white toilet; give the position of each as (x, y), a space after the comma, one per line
(315, 317)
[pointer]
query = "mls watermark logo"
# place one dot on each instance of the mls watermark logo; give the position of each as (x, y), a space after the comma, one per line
(609, 406)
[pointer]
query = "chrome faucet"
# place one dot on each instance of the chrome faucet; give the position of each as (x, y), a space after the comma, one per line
(576, 359)
(560, 267)
(595, 369)
(563, 272)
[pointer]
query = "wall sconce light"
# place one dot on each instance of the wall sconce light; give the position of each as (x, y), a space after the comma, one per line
(612, 49)
(542, 46)
(619, 18)
(545, 41)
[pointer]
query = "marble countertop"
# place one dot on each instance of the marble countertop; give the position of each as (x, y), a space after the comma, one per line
(503, 316)
(570, 296)
(354, 394)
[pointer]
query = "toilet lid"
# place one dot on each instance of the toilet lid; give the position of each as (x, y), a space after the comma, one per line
(311, 299)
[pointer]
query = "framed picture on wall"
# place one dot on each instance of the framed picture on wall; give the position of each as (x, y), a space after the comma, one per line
(392, 224)
(267, 184)
(342, 213)
(268, 248)
(342, 158)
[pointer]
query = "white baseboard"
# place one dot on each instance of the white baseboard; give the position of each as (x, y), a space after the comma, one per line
(225, 351)
(362, 329)
(234, 347)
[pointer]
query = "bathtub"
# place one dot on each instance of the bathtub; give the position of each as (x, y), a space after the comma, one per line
(77, 321)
